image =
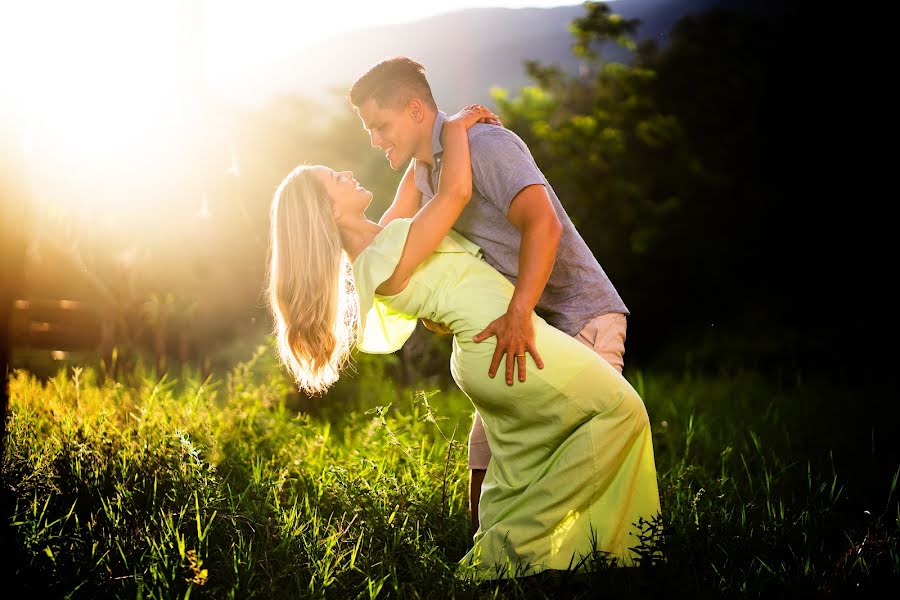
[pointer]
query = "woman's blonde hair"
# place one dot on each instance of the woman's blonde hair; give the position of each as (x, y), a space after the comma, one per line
(311, 291)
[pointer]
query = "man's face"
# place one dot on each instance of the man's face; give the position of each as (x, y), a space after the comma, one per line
(393, 130)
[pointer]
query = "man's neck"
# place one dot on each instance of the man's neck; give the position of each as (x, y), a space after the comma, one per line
(425, 150)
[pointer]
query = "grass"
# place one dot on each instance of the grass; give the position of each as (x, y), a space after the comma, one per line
(178, 488)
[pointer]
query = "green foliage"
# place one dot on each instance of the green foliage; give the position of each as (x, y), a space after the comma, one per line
(693, 172)
(163, 488)
(601, 23)
(596, 136)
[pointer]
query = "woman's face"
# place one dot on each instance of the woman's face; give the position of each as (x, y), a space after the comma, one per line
(348, 198)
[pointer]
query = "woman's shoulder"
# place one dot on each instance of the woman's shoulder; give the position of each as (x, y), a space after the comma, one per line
(396, 229)
(386, 240)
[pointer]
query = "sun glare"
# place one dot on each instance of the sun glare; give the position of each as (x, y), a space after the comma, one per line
(101, 90)
(95, 85)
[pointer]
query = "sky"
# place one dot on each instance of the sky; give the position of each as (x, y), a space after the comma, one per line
(90, 38)
(68, 66)
(272, 29)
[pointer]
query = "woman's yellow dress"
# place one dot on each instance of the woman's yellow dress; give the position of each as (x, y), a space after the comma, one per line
(572, 465)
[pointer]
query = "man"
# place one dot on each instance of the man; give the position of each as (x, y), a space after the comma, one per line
(513, 215)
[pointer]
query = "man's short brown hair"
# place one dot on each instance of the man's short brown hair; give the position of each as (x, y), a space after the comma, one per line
(392, 83)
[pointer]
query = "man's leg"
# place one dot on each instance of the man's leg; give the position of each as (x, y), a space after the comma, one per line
(605, 335)
(479, 459)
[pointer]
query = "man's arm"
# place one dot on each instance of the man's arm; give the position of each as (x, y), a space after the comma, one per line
(531, 211)
(407, 200)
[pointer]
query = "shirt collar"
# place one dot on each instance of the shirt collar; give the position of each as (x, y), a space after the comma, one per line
(436, 147)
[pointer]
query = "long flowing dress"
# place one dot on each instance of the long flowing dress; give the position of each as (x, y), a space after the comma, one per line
(572, 466)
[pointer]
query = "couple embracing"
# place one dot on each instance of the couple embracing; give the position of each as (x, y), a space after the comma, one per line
(475, 244)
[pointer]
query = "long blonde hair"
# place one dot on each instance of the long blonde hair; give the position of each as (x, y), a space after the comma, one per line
(311, 291)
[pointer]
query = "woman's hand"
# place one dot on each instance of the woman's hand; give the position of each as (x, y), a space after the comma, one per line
(474, 113)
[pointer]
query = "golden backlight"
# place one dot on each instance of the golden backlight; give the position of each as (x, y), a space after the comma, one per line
(96, 85)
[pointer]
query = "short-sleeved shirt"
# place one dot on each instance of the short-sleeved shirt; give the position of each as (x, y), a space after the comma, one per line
(578, 289)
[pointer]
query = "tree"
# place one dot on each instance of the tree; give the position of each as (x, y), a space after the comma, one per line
(694, 174)
(606, 146)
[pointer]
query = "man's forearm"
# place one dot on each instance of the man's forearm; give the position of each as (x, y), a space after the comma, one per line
(540, 242)
(407, 200)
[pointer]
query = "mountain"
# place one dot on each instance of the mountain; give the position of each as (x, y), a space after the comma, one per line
(465, 52)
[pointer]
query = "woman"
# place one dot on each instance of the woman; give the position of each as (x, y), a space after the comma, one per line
(572, 468)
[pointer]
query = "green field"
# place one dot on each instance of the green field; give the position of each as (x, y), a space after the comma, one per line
(177, 487)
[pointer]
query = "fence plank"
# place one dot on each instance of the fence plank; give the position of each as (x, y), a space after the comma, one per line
(55, 325)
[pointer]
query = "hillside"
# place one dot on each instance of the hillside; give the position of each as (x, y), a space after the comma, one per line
(466, 52)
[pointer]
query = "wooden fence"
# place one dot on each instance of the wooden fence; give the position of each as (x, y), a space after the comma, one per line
(58, 326)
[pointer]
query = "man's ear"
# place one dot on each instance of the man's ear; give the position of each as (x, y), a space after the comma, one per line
(416, 109)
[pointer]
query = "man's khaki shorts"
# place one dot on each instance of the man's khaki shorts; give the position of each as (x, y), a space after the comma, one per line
(605, 334)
